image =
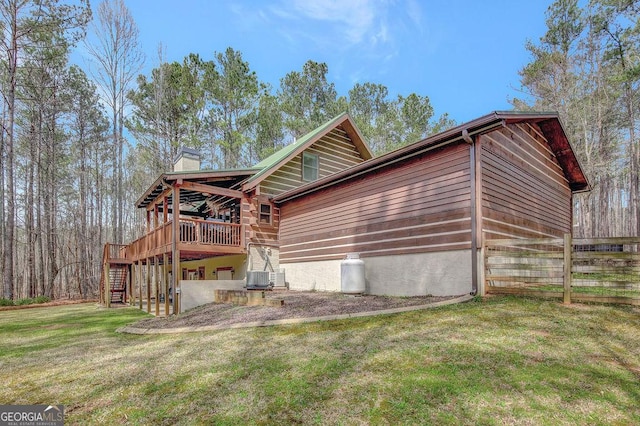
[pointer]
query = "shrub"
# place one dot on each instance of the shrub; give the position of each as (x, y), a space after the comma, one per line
(42, 299)
(6, 302)
(25, 301)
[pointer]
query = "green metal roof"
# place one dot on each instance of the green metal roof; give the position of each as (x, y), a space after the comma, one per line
(264, 167)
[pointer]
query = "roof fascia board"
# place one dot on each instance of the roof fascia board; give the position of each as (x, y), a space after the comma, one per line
(169, 178)
(474, 127)
(359, 141)
(149, 190)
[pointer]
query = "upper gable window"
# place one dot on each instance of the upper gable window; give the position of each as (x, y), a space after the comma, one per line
(266, 215)
(309, 167)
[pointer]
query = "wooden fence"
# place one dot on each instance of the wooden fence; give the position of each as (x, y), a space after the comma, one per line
(605, 270)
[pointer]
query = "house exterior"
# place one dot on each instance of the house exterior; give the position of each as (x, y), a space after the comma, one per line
(416, 216)
(215, 225)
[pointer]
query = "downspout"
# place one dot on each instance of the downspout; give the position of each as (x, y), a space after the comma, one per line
(474, 225)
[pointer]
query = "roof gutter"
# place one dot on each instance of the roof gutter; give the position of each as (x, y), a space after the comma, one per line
(466, 137)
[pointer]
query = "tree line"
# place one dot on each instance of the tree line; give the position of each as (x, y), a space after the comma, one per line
(80, 144)
(587, 67)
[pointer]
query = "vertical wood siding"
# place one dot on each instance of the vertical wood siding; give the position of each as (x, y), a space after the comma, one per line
(420, 205)
(335, 152)
(524, 190)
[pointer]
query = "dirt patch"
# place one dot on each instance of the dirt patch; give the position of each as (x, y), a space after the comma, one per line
(297, 304)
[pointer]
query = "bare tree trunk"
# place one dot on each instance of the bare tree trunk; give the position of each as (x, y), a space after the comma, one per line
(29, 217)
(2, 200)
(51, 203)
(12, 69)
(634, 159)
(119, 59)
(41, 241)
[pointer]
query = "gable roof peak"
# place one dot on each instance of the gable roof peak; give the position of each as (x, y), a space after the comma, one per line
(282, 156)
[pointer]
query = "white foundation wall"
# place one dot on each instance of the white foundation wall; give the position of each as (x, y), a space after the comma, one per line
(437, 274)
(323, 275)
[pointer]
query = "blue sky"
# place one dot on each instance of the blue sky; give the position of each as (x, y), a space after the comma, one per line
(463, 55)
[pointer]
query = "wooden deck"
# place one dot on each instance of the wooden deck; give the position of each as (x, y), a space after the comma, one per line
(197, 238)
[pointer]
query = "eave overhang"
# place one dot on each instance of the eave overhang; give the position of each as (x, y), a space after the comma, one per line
(223, 178)
(549, 124)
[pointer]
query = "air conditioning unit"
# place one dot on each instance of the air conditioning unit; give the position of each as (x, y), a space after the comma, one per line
(258, 280)
(277, 279)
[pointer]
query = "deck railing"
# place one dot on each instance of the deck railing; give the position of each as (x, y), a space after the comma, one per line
(191, 231)
(114, 251)
(207, 232)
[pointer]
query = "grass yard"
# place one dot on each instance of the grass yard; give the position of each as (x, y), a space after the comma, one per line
(502, 360)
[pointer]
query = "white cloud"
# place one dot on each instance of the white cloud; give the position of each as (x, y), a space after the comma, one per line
(414, 12)
(347, 23)
(354, 19)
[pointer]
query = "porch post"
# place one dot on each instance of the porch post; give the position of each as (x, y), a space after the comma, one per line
(156, 279)
(175, 248)
(107, 284)
(134, 271)
(165, 263)
(148, 285)
(127, 293)
(243, 202)
(165, 210)
(140, 283)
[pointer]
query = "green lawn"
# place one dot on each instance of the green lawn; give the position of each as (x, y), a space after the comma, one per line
(503, 360)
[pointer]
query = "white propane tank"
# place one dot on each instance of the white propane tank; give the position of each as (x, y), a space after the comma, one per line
(352, 274)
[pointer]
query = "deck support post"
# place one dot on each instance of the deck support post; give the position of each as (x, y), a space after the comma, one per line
(127, 286)
(148, 268)
(175, 250)
(132, 282)
(140, 283)
(165, 280)
(156, 283)
(107, 284)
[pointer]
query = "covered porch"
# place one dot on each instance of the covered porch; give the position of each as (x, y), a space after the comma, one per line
(189, 216)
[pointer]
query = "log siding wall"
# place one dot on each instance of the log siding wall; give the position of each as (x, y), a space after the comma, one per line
(524, 190)
(419, 206)
(258, 232)
(335, 152)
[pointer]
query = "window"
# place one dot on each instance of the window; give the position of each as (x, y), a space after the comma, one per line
(265, 213)
(309, 167)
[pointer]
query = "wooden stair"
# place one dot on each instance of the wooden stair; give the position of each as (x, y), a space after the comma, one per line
(116, 278)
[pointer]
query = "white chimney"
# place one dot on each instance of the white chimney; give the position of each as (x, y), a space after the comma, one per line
(187, 159)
